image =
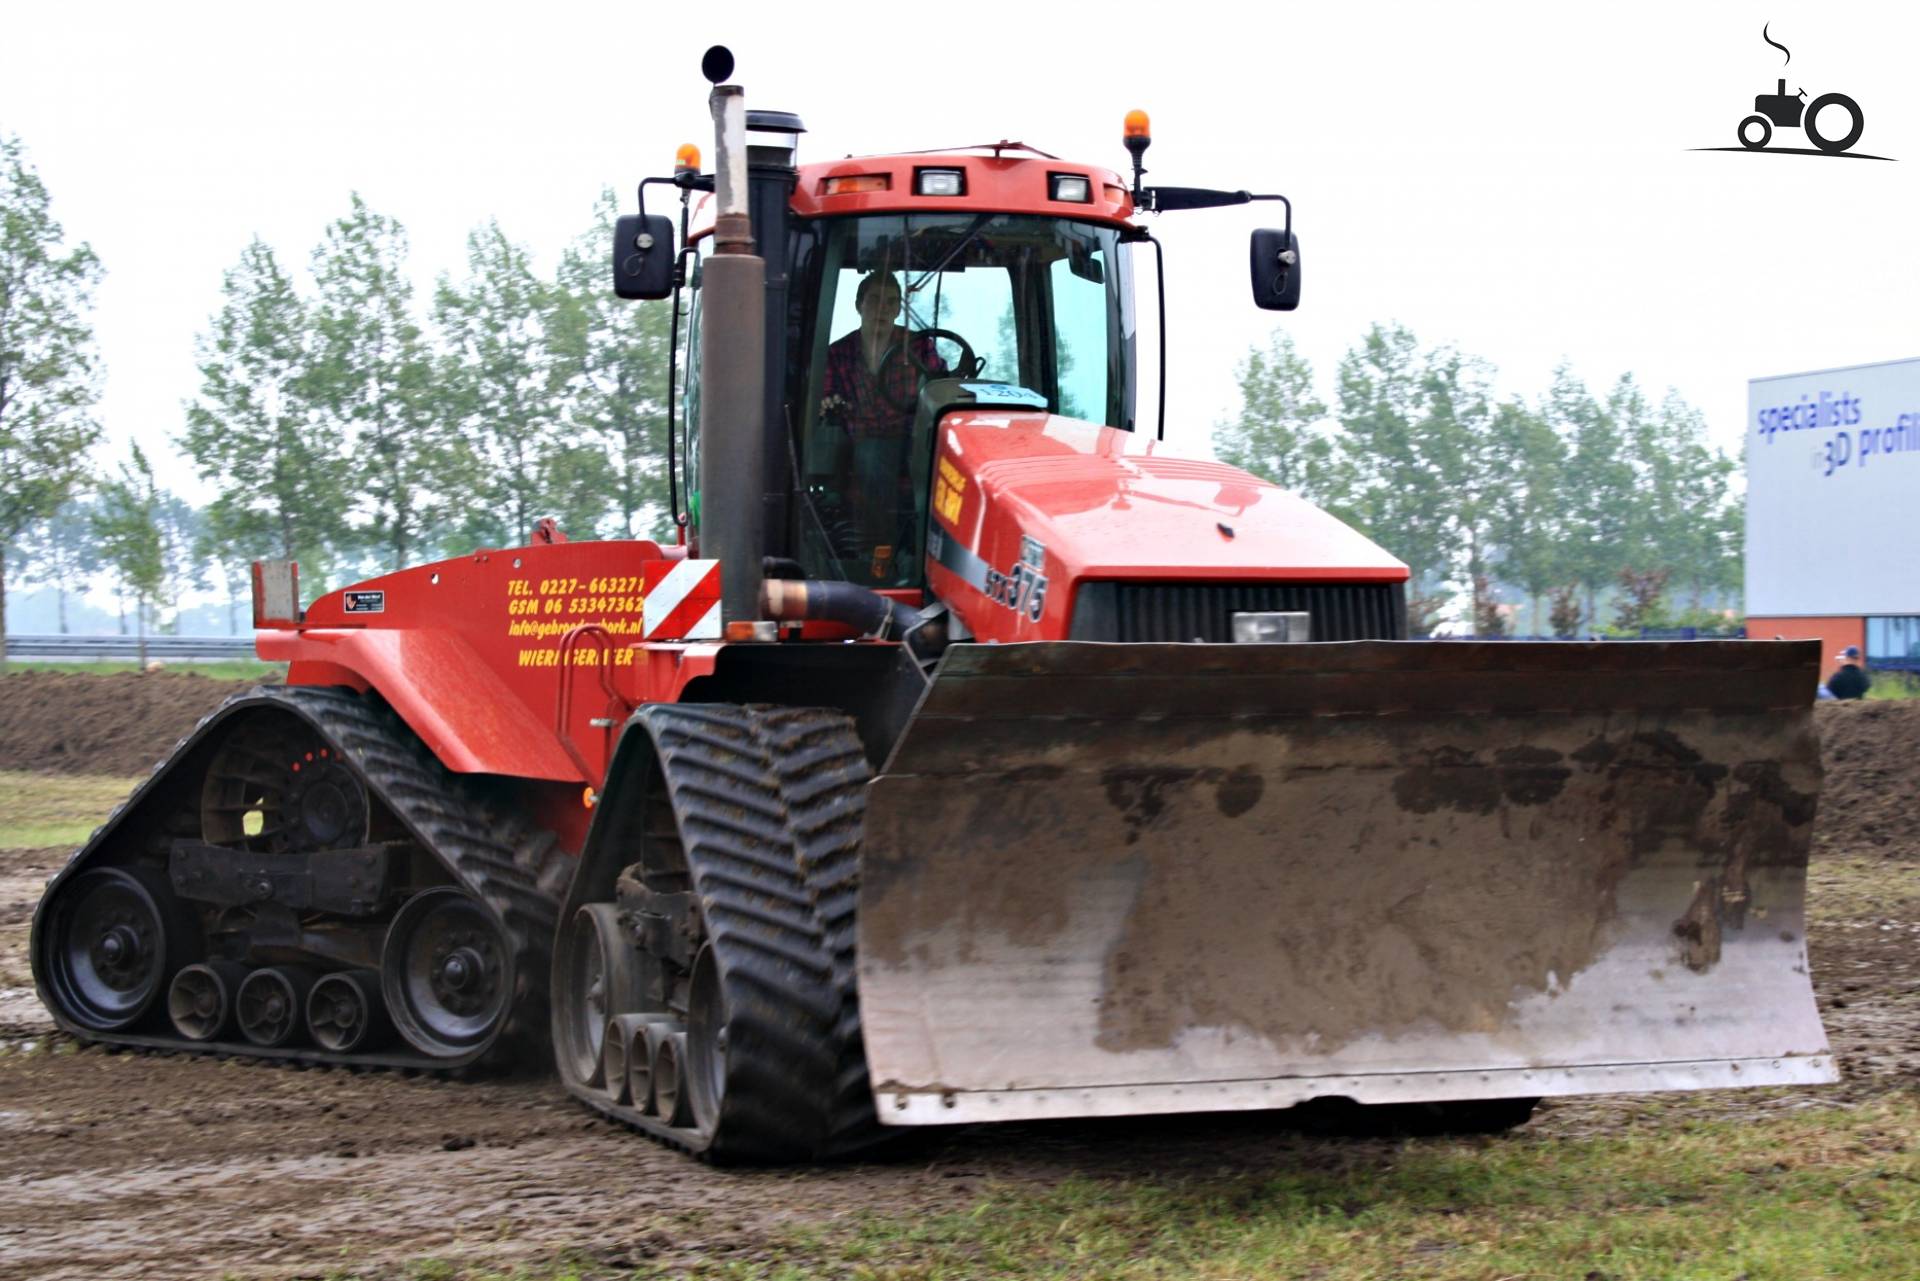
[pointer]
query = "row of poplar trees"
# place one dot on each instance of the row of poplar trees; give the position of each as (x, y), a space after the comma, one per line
(346, 423)
(340, 420)
(1572, 514)
(348, 435)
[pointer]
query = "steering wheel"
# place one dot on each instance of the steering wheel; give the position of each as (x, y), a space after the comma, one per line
(964, 366)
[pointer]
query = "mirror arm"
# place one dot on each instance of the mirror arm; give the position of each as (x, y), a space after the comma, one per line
(1283, 200)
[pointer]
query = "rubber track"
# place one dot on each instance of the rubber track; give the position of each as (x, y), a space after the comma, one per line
(769, 803)
(515, 867)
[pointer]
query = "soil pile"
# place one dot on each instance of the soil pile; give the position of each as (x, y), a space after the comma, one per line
(1867, 802)
(123, 723)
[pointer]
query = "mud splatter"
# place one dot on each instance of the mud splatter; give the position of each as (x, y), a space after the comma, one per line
(1698, 931)
(1239, 792)
(1531, 775)
(1450, 778)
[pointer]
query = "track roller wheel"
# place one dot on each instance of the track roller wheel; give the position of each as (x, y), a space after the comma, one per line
(704, 1065)
(599, 980)
(270, 1004)
(670, 1096)
(635, 1059)
(112, 943)
(345, 1012)
(447, 972)
(201, 1000)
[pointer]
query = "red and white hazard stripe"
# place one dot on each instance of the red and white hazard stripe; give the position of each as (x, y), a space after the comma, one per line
(682, 600)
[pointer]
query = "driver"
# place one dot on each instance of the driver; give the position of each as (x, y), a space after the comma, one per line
(859, 392)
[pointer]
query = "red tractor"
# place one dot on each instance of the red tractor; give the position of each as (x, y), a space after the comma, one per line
(970, 757)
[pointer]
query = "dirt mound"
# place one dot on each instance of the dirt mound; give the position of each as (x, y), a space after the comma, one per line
(124, 723)
(1866, 807)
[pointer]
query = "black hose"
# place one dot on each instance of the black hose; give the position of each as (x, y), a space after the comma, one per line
(860, 608)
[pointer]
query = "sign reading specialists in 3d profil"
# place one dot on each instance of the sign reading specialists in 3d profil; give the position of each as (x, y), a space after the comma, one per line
(1833, 462)
(364, 602)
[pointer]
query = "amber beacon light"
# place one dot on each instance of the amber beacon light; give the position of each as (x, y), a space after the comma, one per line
(1137, 134)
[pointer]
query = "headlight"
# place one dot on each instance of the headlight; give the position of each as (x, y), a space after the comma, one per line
(1273, 628)
(1072, 186)
(939, 182)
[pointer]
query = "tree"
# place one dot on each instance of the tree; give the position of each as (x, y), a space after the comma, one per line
(48, 372)
(1465, 457)
(1401, 459)
(610, 363)
(226, 552)
(1696, 520)
(499, 387)
(372, 384)
(255, 427)
(1639, 603)
(182, 527)
(132, 543)
(1530, 529)
(1565, 616)
(64, 555)
(1601, 498)
(1277, 435)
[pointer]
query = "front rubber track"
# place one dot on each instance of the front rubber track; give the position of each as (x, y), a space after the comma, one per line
(515, 868)
(770, 803)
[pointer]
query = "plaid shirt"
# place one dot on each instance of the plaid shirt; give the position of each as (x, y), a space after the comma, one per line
(854, 394)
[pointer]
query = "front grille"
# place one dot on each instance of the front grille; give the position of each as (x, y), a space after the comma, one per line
(1204, 611)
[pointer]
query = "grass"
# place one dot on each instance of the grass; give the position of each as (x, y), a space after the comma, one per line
(1841, 890)
(40, 810)
(1890, 686)
(238, 669)
(1816, 1193)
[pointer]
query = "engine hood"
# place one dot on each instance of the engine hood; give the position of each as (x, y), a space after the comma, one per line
(1074, 502)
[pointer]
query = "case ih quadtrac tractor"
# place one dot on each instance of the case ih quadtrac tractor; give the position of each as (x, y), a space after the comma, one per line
(970, 758)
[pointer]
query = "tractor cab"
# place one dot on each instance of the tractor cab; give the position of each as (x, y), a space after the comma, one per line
(903, 316)
(914, 285)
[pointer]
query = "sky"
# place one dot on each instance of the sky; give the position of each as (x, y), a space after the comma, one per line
(1516, 180)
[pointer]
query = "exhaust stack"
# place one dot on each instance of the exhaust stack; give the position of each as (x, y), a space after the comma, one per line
(732, 373)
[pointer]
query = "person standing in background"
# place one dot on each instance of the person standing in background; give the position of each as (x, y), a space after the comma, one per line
(1851, 680)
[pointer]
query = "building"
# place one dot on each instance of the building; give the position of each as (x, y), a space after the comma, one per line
(1833, 490)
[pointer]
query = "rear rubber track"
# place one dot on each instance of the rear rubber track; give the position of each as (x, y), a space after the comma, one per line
(489, 849)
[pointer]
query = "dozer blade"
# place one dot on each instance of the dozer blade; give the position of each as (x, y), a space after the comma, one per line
(1107, 879)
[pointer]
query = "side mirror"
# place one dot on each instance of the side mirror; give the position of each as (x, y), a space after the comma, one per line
(1275, 259)
(643, 256)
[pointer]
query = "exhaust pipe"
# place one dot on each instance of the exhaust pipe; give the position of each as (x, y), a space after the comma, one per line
(731, 526)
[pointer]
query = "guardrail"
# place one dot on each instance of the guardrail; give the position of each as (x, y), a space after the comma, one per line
(128, 647)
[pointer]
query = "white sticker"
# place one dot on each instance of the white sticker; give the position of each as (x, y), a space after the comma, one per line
(1004, 394)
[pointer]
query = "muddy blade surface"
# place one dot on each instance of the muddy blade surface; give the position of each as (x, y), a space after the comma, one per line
(1103, 879)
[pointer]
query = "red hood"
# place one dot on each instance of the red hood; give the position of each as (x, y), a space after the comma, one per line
(1108, 504)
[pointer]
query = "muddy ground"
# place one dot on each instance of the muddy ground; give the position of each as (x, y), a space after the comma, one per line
(132, 1165)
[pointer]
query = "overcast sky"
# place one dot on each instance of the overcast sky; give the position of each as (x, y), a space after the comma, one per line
(1516, 180)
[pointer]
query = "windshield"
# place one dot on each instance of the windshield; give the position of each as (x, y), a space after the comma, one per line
(914, 308)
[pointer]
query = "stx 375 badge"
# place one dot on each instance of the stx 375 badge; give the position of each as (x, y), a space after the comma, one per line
(1023, 589)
